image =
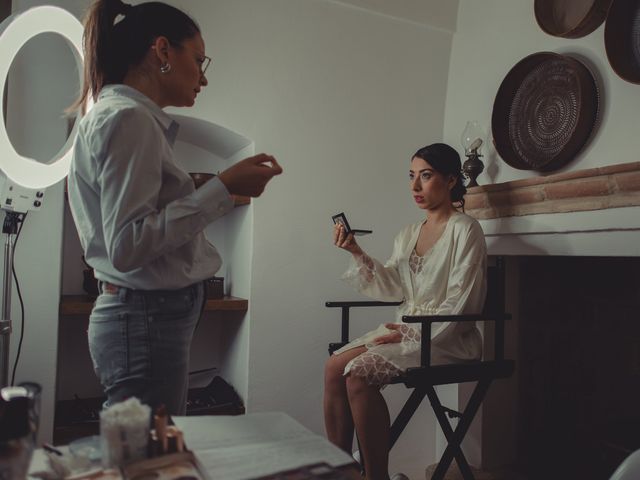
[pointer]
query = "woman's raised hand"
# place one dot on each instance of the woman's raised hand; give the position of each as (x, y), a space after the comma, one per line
(344, 241)
(250, 176)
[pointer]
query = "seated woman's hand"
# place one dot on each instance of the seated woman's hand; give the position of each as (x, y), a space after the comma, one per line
(393, 337)
(345, 241)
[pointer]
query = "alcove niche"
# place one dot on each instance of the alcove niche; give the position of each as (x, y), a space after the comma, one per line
(222, 337)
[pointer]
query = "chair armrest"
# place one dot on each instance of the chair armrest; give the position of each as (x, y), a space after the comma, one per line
(345, 306)
(365, 303)
(428, 320)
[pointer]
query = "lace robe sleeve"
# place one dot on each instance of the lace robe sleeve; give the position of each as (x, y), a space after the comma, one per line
(375, 280)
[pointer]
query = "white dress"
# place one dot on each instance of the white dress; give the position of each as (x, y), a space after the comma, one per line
(448, 279)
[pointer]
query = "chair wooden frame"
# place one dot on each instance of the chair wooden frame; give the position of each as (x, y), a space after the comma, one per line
(424, 378)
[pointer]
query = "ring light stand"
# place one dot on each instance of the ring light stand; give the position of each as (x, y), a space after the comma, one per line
(22, 179)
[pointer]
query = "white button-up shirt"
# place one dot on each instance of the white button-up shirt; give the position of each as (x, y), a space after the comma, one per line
(138, 215)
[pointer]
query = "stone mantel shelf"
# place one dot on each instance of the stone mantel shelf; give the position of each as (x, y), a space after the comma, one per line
(600, 188)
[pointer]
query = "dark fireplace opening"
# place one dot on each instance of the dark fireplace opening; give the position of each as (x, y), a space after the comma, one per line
(578, 365)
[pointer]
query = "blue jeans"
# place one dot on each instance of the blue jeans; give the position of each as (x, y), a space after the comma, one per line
(139, 343)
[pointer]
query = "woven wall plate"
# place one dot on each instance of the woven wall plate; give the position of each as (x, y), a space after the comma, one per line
(570, 18)
(622, 39)
(544, 112)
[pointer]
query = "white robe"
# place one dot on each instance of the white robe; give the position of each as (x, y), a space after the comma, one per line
(452, 281)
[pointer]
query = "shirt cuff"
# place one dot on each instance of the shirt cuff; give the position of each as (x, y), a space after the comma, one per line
(214, 198)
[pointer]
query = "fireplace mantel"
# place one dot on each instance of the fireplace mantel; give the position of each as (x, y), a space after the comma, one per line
(591, 212)
(612, 186)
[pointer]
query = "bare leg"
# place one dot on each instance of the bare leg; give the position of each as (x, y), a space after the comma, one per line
(338, 420)
(372, 423)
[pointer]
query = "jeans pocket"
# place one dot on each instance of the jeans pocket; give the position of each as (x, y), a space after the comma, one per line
(108, 306)
(108, 347)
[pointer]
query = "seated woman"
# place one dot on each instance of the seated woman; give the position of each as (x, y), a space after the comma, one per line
(438, 267)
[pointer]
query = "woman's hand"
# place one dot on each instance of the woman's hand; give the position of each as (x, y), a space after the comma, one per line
(344, 241)
(250, 176)
(393, 337)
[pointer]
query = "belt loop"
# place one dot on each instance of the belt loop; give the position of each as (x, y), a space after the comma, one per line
(123, 294)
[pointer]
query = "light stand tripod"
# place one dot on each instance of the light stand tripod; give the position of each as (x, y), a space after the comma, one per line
(10, 227)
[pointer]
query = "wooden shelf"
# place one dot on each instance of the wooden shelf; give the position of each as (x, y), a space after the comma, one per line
(82, 304)
(227, 303)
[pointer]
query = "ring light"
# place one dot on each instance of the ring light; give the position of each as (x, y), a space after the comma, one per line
(15, 31)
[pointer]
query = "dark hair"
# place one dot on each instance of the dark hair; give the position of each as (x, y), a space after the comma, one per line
(112, 48)
(445, 160)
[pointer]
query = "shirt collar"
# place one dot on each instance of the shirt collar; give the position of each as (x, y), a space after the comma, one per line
(169, 125)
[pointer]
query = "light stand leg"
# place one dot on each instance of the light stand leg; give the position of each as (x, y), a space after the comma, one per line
(5, 323)
(10, 228)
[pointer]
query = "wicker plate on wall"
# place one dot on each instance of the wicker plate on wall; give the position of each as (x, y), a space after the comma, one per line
(544, 112)
(622, 39)
(570, 18)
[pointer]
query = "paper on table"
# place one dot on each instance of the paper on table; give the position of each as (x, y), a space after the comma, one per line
(251, 461)
(248, 446)
(206, 432)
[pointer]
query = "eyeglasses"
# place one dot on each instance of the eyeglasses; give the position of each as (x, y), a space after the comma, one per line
(203, 60)
(204, 63)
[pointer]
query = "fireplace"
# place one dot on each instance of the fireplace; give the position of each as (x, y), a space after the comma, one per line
(578, 359)
(572, 247)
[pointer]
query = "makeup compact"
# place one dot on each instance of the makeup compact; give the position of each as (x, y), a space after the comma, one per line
(342, 218)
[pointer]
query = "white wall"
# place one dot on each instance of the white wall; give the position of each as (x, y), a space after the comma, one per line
(342, 98)
(435, 13)
(491, 37)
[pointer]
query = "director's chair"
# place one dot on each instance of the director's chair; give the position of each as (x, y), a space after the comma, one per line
(424, 378)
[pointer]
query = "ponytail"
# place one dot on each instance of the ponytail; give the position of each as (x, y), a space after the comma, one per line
(111, 48)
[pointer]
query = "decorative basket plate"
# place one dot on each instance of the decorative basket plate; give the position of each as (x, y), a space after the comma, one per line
(544, 112)
(570, 18)
(622, 39)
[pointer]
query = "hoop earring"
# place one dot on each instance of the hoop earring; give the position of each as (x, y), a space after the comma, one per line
(165, 67)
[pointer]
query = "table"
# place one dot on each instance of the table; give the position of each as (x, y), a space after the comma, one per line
(248, 446)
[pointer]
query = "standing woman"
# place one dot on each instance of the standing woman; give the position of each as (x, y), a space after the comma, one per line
(138, 215)
(437, 267)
